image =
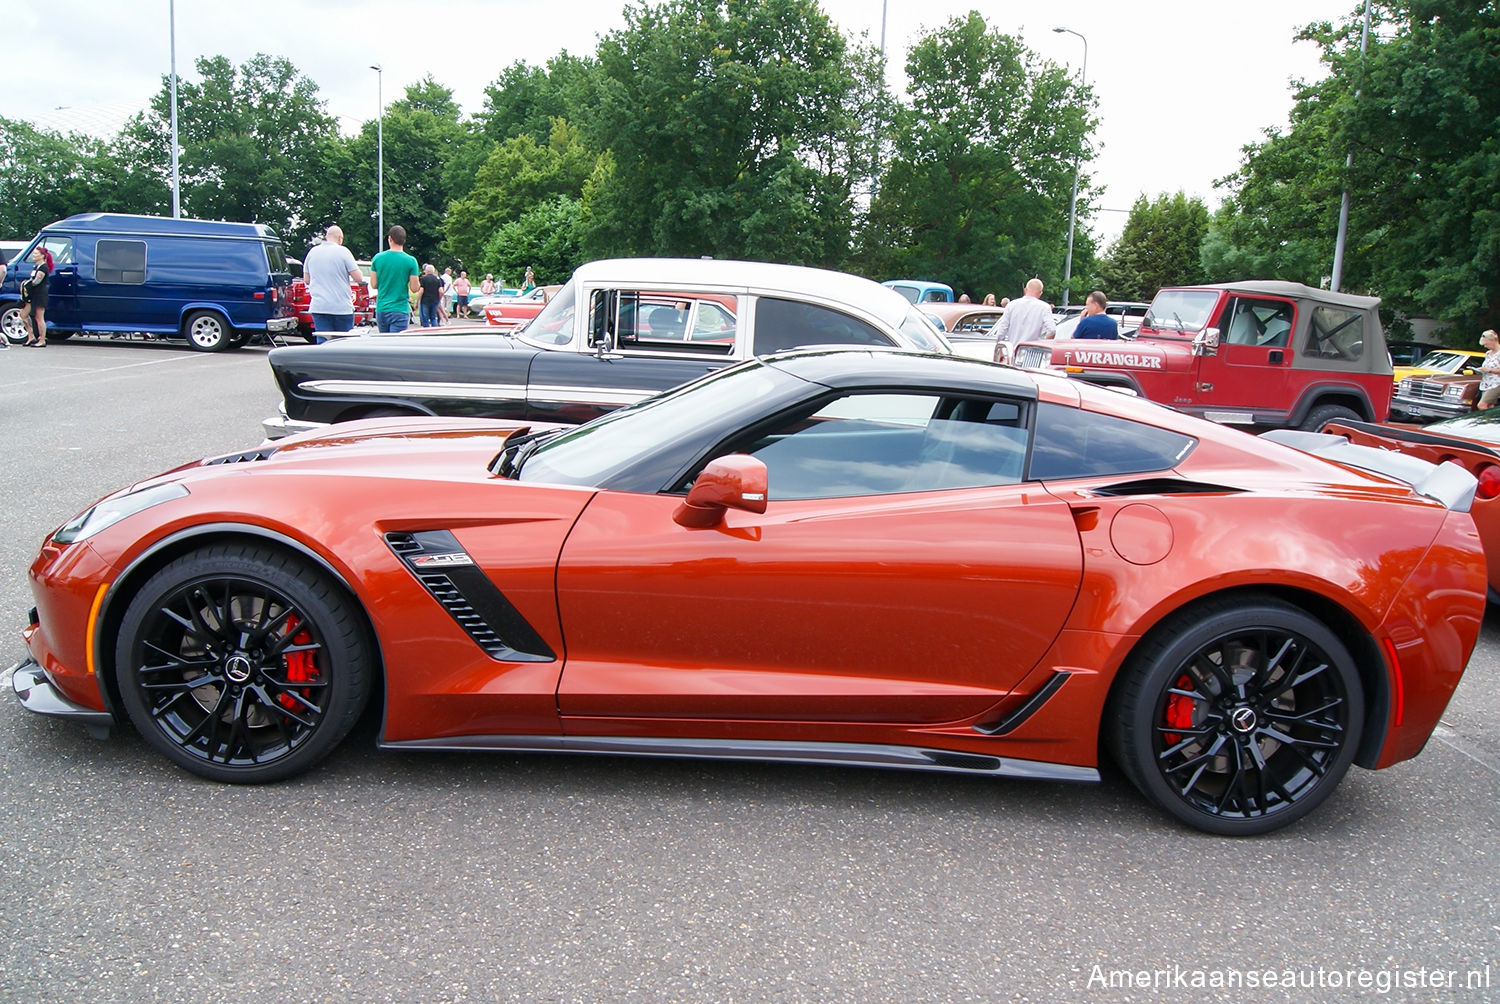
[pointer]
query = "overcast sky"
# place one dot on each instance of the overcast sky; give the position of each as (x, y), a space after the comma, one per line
(1182, 84)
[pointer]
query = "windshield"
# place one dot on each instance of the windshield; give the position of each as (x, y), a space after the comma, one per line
(1181, 309)
(591, 453)
(1445, 362)
(553, 325)
(924, 334)
(1481, 425)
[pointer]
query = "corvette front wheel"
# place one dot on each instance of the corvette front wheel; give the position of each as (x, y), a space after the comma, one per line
(242, 664)
(1238, 718)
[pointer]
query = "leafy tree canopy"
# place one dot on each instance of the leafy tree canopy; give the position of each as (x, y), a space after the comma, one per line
(1160, 246)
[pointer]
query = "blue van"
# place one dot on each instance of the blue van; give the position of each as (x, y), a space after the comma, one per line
(213, 284)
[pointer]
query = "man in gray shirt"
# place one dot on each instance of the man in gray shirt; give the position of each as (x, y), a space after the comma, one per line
(328, 270)
(1025, 319)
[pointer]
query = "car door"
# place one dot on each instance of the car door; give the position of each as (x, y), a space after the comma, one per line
(1252, 372)
(902, 573)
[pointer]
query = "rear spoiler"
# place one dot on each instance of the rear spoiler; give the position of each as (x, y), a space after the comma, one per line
(1449, 484)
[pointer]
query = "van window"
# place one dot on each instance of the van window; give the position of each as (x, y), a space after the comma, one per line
(118, 261)
(276, 257)
(61, 249)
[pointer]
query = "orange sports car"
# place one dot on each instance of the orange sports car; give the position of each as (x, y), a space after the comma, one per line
(862, 557)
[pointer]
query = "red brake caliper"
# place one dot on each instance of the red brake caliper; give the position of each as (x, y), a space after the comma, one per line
(1179, 714)
(299, 665)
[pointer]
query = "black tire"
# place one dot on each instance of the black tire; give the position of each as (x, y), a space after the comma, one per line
(242, 664)
(207, 331)
(1325, 413)
(53, 335)
(13, 325)
(1239, 717)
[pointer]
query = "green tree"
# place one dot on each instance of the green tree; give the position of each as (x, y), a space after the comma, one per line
(46, 175)
(1160, 246)
(977, 190)
(545, 237)
(713, 111)
(524, 100)
(422, 132)
(1419, 115)
(519, 175)
(251, 140)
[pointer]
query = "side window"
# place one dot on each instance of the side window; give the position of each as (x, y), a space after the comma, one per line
(788, 324)
(1072, 443)
(713, 323)
(1336, 333)
(61, 248)
(878, 444)
(120, 261)
(1257, 322)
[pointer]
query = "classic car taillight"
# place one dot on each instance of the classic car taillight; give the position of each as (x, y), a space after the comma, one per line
(1489, 481)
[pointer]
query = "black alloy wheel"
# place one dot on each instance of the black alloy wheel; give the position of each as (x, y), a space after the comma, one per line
(242, 664)
(1238, 718)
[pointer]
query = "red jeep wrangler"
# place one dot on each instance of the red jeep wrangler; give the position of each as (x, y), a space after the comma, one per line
(1277, 354)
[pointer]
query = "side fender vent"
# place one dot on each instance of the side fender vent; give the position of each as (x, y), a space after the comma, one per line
(1165, 486)
(460, 587)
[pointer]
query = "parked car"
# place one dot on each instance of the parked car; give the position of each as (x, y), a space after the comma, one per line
(516, 312)
(1407, 353)
(1473, 442)
(9, 249)
(1277, 354)
(967, 326)
(835, 556)
(921, 290)
(591, 349)
(214, 284)
(1441, 361)
(301, 298)
(1439, 395)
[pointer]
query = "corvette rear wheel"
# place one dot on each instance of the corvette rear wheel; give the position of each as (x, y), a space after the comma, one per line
(1238, 718)
(242, 664)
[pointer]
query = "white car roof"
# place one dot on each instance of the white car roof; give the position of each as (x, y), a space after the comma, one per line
(748, 277)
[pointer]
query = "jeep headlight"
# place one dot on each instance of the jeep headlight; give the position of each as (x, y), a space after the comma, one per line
(110, 511)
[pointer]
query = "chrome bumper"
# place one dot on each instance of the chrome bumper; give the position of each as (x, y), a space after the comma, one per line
(279, 427)
(281, 324)
(37, 694)
(1428, 408)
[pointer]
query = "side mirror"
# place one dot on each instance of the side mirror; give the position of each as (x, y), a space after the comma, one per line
(737, 481)
(1206, 342)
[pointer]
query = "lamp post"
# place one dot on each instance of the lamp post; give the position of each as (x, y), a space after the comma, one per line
(172, 43)
(1077, 166)
(379, 157)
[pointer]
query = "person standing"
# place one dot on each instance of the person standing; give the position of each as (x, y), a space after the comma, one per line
(1025, 319)
(1096, 323)
(432, 292)
(529, 283)
(34, 297)
(328, 269)
(487, 287)
(393, 278)
(461, 296)
(445, 304)
(1489, 370)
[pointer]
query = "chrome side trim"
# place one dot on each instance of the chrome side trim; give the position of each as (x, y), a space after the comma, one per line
(763, 750)
(38, 695)
(478, 391)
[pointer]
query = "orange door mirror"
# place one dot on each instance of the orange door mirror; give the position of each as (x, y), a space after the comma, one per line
(737, 481)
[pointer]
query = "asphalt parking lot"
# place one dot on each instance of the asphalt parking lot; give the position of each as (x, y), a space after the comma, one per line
(448, 877)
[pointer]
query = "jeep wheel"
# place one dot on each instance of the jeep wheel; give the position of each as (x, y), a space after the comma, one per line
(14, 325)
(1325, 413)
(207, 332)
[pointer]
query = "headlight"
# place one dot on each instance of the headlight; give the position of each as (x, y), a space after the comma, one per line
(1404, 387)
(115, 508)
(1454, 391)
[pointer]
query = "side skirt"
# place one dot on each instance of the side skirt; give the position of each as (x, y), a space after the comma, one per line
(765, 750)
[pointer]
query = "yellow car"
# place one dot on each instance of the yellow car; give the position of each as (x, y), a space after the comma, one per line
(1442, 361)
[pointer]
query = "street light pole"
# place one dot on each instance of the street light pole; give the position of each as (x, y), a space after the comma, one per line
(1077, 166)
(379, 157)
(176, 182)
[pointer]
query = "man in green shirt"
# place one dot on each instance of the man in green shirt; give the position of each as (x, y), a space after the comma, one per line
(393, 278)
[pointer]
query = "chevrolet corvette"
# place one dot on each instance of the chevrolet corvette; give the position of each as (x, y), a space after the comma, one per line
(839, 556)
